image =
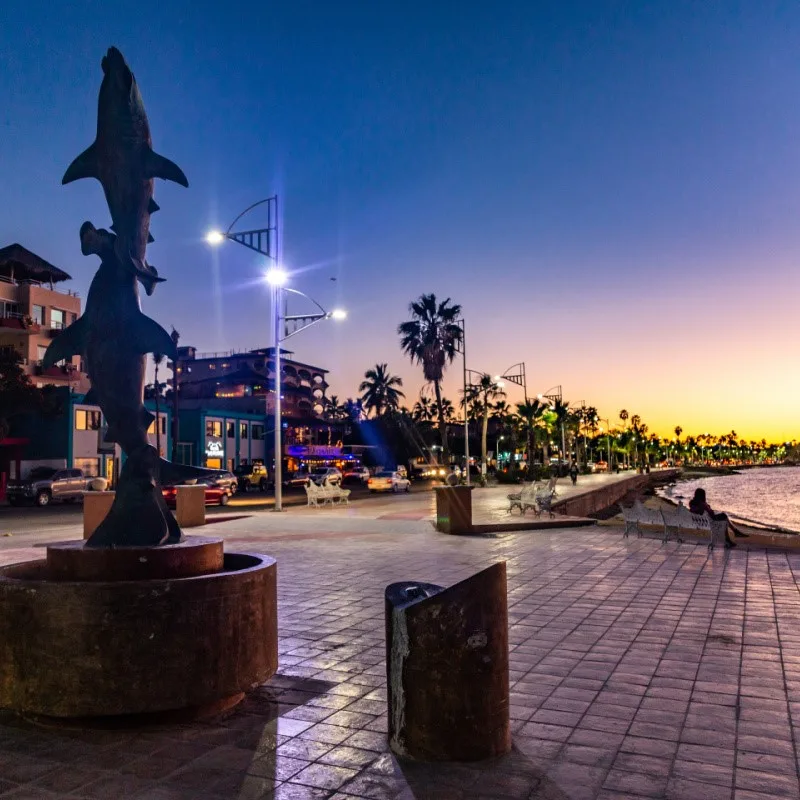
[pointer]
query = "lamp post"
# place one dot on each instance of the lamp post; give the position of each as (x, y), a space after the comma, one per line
(265, 242)
(553, 395)
(462, 346)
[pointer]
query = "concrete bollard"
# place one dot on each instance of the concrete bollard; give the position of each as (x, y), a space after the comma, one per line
(447, 668)
(190, 506)
(96, 506)
(454, 509)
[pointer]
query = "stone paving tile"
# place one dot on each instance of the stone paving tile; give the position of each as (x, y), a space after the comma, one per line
(638, 670)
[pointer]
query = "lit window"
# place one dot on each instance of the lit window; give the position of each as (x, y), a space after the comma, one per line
(214, 427)
(56, 318)
(243, 430)
(212, 366)
(87, 420)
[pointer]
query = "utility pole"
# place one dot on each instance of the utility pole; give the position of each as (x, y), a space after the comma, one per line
(175, 336)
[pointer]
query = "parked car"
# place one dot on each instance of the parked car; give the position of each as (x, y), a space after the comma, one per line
(45, 485)
(389, 482)
(252, 476)
(294, 480)
(215, 495)
(434, 472)
(331, 474)
(227, 480)
(358, 475)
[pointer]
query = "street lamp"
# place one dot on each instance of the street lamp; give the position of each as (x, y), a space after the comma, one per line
(553, 395)
(265, 242)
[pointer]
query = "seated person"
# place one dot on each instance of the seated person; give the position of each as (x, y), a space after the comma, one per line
(699, 505)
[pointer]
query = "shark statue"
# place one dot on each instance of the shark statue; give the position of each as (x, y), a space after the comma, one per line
(113, 336)
(122, 159)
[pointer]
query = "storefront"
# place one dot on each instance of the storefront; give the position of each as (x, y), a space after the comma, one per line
(76, 439)
(220, 439)
(311, 457)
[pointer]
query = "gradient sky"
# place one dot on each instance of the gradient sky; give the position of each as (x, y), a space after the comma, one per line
(610, 189)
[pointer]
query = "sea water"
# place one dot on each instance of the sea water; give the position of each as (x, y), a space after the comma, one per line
(768, 495)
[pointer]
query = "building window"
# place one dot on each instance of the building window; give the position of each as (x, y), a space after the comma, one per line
(213, 427)
(231, 429)
(87, 420)
(90, 467)
(40, 351)
(258, 432)
(37, 314)
(56, 318)
(152, 428)
(243, 431)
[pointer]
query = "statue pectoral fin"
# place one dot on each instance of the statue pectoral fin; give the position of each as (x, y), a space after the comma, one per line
(148, 336)
(70, 342)
(156, 166)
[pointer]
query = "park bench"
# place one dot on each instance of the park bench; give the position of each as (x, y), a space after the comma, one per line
(328, 493)
(638, 518)
(524, 499)
(681, 522)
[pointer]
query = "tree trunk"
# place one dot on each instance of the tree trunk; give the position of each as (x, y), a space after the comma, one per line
(442, 425)
(484, 432)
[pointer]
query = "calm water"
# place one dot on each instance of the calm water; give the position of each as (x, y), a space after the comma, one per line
(770, 496)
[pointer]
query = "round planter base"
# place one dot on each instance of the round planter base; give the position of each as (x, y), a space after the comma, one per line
(113, 648)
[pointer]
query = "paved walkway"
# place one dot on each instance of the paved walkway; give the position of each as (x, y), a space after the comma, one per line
(638, 670)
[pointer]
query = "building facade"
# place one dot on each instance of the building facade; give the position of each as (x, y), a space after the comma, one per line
(74, 439)
(33, 312)
(245, 380)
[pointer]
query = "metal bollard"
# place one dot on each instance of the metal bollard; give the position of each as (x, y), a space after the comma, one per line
(447, 668)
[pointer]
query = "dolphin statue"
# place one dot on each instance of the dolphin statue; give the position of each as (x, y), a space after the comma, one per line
(122, 159)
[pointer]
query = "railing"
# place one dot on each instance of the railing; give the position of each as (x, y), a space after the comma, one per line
(31, 282)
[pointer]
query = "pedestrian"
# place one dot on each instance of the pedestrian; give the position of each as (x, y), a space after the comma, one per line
(573, 473)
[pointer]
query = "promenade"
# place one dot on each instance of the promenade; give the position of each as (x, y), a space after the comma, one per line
(638, 670)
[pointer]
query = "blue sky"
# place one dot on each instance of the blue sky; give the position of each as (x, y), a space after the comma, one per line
(608, 188)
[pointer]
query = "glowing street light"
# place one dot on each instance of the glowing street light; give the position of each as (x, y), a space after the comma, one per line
(265, 242)
(276, 277)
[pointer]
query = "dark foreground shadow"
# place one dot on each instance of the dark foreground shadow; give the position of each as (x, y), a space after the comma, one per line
(228, 757)
(512, 776)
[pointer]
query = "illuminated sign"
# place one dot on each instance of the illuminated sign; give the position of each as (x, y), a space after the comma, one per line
(214, 449)
(313, 451)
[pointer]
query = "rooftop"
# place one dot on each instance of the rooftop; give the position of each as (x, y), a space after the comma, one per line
(19, 264)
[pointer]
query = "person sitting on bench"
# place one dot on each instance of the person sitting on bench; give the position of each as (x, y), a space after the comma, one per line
(699, 505)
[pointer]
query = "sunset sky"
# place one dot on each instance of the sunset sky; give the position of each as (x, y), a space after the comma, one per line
(610, 189)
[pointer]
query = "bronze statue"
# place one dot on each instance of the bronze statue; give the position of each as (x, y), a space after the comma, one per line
(113, 336)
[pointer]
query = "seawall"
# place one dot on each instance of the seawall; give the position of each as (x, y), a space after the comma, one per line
(596, 500)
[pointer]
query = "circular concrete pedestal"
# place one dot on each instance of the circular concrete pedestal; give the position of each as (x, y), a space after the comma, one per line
(99, 648)
(73, 561)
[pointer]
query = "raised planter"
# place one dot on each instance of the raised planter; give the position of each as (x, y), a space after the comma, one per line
(102, 647)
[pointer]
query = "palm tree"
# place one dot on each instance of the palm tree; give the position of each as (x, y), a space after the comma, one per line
(431, 338)
(423, 410)
(484, 392)
(623, 415)
(449, 410)
(561, 411)
(334, 410)
(531, 412)
(378, 392)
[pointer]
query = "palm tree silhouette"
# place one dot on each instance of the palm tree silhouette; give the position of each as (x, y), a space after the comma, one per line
(431, 338)
(378, 392)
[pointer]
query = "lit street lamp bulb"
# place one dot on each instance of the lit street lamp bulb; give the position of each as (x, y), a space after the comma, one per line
(214, 238)
(339, 314)
(276, 277)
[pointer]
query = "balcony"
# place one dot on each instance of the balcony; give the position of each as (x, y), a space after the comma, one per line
(63, 371)
(13, 322)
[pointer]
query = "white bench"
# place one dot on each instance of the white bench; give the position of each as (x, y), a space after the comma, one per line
(544, 502)
(328, 493)
(524, 499)
(677, 523)
(639, 517)
(681, 521)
